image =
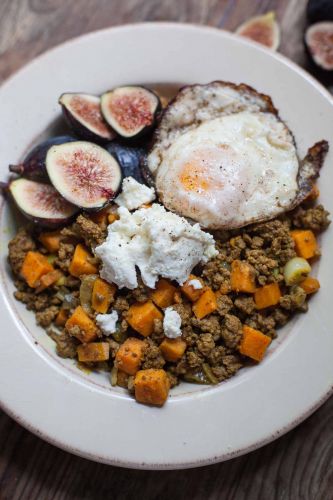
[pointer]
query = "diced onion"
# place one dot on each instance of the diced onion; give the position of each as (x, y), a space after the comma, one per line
(296, 270)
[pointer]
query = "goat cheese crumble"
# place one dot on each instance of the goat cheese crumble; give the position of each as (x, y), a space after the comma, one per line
(133, 194)
(172, 323)
(108, 322)
(196, 284)
(157, 242)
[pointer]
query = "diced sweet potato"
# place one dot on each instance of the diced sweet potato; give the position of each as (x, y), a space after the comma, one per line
(173, 349)
(93, 352)
(242, 277)
(101, 217)
(189, 291)
(61, 318)
(49, 279)
(310, 285)
(80, 263)
(35, 265)
(164, 294)
(112, 218)
(305, 243)
(267, 295)
(254, 343)
(129, 355)
(51, 240)
(151, 387)
(206, 304)
(141, 317)
(86, 330)
(102, 295)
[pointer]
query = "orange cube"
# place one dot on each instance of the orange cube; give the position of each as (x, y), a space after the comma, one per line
(35, 265)
(189, 291)
(305, 243)
(93, 352)
(102, 295)
(242, 277)
(80, 263)
(87, 328)
(51, 240)
(141, 317)
(61, 318)
(151, 386)
(164, 294)
(173, 349)
(267, 295)
(49, 279)
(310, 285)
(206, 304)
(254, 343)
(129, 355)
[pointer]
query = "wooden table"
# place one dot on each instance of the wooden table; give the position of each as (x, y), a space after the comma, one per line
(297, 466)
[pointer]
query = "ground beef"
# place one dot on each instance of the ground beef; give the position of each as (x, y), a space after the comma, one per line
(280, 316)
(231, 331)
(173, 379)
(114, 346)
(189, 336)
(217, 272)
(263, 265)
(66, 346)
(295, 300)
(33, 301)
(265, 324)
(224, 305)
(152, 357)
(194, 359)
(205, 343)
(65, 255)
(90, 232)
(185, 312)
(18, 247)
(245, 304)
(315, 218)
(45, 318)
(211, 325)
(215, 357)
(140, 294)
(121, 304)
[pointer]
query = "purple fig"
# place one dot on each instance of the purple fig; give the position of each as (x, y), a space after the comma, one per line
(84, 174)
(263, 29)
(319, 42)
(129, 159)
(41, 203)
(83, 114)
(130, 111)
(33, 166)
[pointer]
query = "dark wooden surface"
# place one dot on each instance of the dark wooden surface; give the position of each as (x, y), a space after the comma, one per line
(296, 466)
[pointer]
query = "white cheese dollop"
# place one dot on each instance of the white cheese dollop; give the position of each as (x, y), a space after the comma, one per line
(158, 242)
(133, 194)
(196, 284)
(172, 323)
(107, 322)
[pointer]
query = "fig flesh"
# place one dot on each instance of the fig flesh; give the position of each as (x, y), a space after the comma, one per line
(319, 42)
(320, 10)
(130, 111)
(33, 166)
(129, 159)
(83, 114)
(41, 203)
(84, 174)
(262, 29)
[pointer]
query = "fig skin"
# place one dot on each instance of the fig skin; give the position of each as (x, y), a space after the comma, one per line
(33, 166)
(79, 128)
(139, 131)
(262, 29)
(43, 216)
(319, 10)
(318, 42)
(129, 159)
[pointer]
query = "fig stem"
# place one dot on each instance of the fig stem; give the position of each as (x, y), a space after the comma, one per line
(16, 169)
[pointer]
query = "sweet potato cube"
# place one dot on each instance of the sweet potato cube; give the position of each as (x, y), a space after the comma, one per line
(254, 343)
(242, 277)
(93, 352)
(35, 265)
(102, 295)
(61, 318)
(151, 386)
(141, 317)
(173, 349)
(49, 279)
(86, 330)
(51, 240)
(310, 285)
(80, 263)
(100, 217)
(189, 291)
(305, 243)
(206, 304)
(267, 295)
(129, 355)
(164, 294)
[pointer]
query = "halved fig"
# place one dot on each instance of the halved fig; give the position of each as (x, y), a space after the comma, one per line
(320, 10)
(319, 42)
(262, 29)
(33, 166)
(129, 159)
(84, 174)
(83, 114)
(41, 203)
(130, 111)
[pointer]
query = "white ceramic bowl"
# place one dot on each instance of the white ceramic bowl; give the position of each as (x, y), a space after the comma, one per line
(82, 413)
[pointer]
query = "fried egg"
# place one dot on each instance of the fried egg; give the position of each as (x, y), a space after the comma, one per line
(223, 157)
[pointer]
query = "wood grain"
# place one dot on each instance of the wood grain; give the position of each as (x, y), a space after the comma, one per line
(296, 466)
